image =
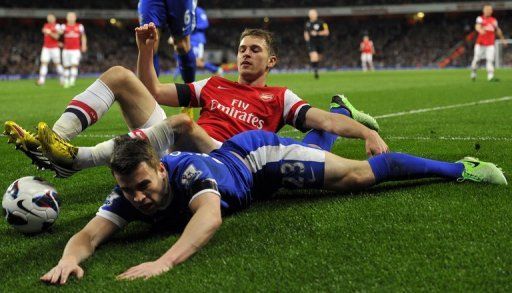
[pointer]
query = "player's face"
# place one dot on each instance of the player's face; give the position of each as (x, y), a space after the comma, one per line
(145, 188)
(71, 17)
(253, 58)
(487, 10)
(313, 15)
(366, 38)
(50, 18)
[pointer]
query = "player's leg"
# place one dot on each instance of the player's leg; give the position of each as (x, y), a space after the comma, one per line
(75, 62)
(476, 57)
(55, 56)
(66, 62)
(177, 132)
(139, 108)
(489, 65)
(342, 174)
(153, 11)
(339, 105)
(43, 69)
(363, 62)
(370, 62)
(313, 57)
(181, 22)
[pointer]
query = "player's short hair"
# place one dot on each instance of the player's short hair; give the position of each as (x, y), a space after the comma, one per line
(129, 153)
(263, 34)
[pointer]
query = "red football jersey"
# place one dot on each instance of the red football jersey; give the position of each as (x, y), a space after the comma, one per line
(366, 47)
(229, 108)
(489, 24)
(50, 42)
(72, 36)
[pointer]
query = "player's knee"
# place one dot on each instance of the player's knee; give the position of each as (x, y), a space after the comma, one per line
(184, 122)
(360, 177)
(182, 46)
(116, 76)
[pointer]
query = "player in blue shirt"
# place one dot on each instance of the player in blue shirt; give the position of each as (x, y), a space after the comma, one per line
(197, 189)
(198, 40)
(179, 17)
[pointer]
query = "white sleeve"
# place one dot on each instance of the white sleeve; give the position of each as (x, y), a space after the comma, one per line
(198, 87)
(81, 28)
(292, 106)
(479, 20)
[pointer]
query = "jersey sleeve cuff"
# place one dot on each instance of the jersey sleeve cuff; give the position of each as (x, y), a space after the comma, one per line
(116, 219)
(204, 191)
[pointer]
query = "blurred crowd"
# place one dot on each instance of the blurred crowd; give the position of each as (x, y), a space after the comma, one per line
(211, 4)
(399, 42)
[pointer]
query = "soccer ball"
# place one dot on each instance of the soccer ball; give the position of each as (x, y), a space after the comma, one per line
(31, 204)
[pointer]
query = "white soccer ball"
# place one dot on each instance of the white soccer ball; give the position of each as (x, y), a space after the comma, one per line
(31, 204)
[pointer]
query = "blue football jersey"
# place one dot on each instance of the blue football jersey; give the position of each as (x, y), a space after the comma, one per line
(271, 163)
(198, 36)
(190, 175)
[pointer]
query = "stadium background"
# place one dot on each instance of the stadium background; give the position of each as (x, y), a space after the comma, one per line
(428, 235)
(402, 38)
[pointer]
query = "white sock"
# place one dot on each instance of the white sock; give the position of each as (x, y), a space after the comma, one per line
(160, 136)
(98, 155)
(74, 73)
(84, 110)
(42, 72)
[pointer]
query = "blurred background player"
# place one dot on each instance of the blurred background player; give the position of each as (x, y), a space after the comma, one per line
(367, 51)
(179, 17)
(75, 43)
(197, 41)
(51, 50)
(487, 27)
(315, 32)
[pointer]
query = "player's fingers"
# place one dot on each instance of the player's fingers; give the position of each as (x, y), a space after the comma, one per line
(56, 275)
(64, 276)
(79, 272)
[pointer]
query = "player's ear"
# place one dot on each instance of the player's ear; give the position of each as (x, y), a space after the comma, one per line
(161, 170)
(272, 61)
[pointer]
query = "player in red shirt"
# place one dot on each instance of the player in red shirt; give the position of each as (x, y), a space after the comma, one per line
(50, 51)
(75, 43)
(227, 108)
(487, 29)
(367, 51)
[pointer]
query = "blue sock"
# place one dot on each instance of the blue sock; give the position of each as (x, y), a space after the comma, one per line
(156, 64)
(211, 67)
(397, 166)
(325, 140)
(188, 66)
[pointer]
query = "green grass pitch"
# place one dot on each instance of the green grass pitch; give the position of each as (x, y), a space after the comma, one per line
(428, 235)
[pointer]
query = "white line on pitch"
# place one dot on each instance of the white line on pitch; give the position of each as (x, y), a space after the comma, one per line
(416, 111)
(489, 101)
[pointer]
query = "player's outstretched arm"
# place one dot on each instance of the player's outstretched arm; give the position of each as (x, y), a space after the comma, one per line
(202, 226)
(165, 94)
(80, 247)
(345, 127)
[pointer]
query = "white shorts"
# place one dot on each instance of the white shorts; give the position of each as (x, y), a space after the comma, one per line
(366, 57)
(484, 52)
(199, 51)
(48, 54)
(71, 57)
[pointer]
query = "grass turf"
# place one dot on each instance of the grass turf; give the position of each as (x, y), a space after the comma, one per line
(426, 235)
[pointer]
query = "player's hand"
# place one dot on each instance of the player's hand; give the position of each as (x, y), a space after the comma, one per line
(313, 33)
(60, 273)
(144, 270)
(375, 145)
(47, 31)
(146, 36)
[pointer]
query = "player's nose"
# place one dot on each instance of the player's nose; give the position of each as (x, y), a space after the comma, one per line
(138, 196)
